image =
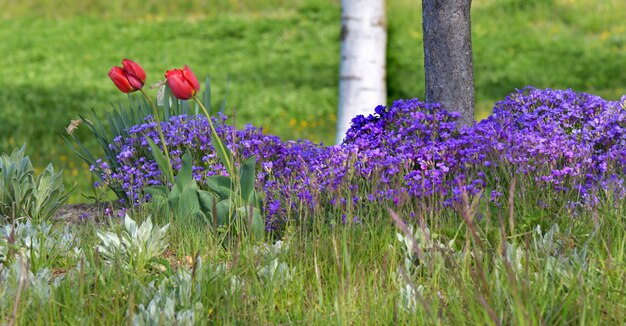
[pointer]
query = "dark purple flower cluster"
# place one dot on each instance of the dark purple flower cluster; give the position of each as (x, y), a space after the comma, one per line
(561, 141)
(137, 169)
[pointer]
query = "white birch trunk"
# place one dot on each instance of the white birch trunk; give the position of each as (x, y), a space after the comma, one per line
(362, 75)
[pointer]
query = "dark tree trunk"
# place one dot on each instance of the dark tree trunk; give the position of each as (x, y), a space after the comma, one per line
(448, 55)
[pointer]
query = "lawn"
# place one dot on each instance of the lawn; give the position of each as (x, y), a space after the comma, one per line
(515, 220)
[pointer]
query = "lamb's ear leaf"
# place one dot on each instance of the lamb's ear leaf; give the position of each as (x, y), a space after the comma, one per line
(160, 263)
(161, 161)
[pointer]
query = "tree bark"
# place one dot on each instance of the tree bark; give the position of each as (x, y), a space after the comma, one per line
(362, 75)
(448, 60)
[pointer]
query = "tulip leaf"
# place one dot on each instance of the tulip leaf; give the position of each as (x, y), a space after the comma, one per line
(161, 161)
(185, 108)
(207, 201)
(175, 103)
(220, 185)
(206, 97)
(223, 106)
(188, 202)
(158, 190)
(167, 97)
(223, 212)
(103, 139)
(81, 151)
(247, 178)
(255, 224)
(226, 157)
(185, 174)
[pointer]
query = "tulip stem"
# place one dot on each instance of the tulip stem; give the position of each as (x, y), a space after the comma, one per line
(217, 143)
(158, 125)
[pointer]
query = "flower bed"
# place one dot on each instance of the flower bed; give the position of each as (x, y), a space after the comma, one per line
(567, 142)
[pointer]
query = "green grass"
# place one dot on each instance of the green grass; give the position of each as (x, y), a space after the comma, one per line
(349, 274)
(282, 58)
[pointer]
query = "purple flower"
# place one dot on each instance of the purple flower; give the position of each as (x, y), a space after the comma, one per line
(569, 142)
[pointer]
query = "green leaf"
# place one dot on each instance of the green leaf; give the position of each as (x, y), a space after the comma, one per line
(206, 98)
(247, 178)
(159, 202)
(81, 151)
(156, 262)
(208, 201)
(223, 153)
(161, 161)
(220, 185)
(175, 108)
(157, 191)
(185, 108)
(223, 212)
(167, 97)
(185, 174)
(223, 106)
(188, 203)
(256, 225)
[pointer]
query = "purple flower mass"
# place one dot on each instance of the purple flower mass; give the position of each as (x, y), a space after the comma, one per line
(562, 141)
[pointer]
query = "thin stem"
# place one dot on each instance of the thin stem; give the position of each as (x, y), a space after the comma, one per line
(218, 143)
(158, 125)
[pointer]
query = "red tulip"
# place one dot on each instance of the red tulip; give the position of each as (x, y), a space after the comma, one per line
(128, 78)
(183, 83)
(136, 74)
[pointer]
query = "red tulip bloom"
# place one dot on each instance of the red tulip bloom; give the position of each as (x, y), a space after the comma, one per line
(183, 83)
(128, 78)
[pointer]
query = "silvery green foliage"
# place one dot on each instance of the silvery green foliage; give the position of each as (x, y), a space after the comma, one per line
(272, 251)
(423, 242)
(275, 272)
(134, 246)
(41, 243)
(514, 255)
(162, 311)
(22, 194)
(558, 259)
(429, 251)
(408, 296)
(4, 249)
(272, 269)
(548, 256)
(34, 247)
(34, 286)
(236, 284)
(176, 300)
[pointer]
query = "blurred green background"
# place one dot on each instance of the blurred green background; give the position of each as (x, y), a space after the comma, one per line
(282, 57)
